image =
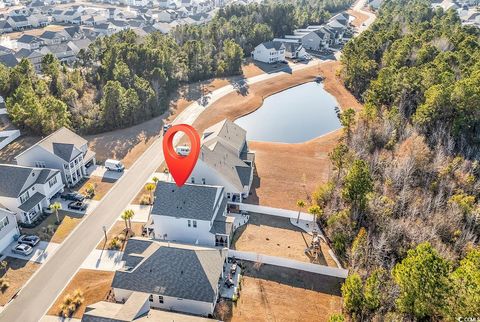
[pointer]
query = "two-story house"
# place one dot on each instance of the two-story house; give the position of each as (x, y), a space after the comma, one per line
(225, 160)
(269, 52)
(8, 228)
(195, 214)
(176, 277)
(26, 191)
(63, 150)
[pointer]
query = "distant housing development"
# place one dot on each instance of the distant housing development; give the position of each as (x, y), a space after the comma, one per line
(314, 38)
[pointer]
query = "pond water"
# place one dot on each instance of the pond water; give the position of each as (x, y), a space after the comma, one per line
(294, 115)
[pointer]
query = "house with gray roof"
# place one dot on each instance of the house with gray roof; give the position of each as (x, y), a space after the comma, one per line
(63, 150)
(195, 214)
(26, 191)
(177, 277)
(8, 228)
(269, 52)
(135, 309)
(225, 160)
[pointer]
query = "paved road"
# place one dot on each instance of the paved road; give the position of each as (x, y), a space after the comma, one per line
(41, 291)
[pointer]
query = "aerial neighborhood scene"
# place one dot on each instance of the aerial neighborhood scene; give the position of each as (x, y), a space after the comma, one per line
(239, 160)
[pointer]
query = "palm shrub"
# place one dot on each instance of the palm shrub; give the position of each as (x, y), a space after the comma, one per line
(71, 302)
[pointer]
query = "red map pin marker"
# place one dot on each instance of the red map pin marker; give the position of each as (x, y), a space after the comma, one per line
(181, 166)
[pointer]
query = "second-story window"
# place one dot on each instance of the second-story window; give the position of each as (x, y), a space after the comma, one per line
(189, 223)
(24, 197)
(52, 181)
(194, 224)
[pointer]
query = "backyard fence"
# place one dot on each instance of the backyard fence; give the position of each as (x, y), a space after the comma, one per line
(289, 263)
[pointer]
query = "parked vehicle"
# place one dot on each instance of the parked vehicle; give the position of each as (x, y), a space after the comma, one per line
(75, 196)
(166, 127)
(30, 240)
(183, 150)
(114, 165)
(22, 249)
(77, 205)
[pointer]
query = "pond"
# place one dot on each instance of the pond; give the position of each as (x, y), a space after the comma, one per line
(295, 115)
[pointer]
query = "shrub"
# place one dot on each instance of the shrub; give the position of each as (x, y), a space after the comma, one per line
(114, 243)
(145, 200)
(4, 284)
(71, 302)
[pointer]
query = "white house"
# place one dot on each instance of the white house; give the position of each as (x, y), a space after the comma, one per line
(135, 309)
(176, 277)
(195, 214)
(18, 22)
(29, 42)
(269, 52)
(25, 191)
(8, 227)
(63, 150)
(225, 160)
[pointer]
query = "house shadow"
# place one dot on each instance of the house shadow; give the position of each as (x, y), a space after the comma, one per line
(295, 278)
(273, 68)
(253, 196)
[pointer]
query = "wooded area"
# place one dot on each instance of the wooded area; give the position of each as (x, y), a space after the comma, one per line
(402, 208)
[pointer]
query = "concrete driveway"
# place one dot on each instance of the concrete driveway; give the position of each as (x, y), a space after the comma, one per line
(40, 254)
(91, 205)
(102, 172)
(141, 213)
(105, 260)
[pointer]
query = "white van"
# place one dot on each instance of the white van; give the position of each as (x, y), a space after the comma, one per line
(114, 165)
(183, 150)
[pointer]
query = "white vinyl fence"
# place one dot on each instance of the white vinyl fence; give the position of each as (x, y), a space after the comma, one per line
(289, 263)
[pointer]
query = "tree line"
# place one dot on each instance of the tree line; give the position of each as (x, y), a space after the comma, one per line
(402, 206)
(122, 80)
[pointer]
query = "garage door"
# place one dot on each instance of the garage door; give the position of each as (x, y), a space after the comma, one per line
(7, 240)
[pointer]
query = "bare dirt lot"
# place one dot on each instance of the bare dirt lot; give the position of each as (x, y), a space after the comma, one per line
(272, 293)
(102, 186)
(18, 273)
(275, 236)
(285, 172)
(48, 230)
(94, 284)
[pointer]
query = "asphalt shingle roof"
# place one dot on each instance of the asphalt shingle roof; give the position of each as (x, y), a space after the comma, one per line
(181, 271)
(64, 143)
(32, 201)
(13, 178)
(189, 201)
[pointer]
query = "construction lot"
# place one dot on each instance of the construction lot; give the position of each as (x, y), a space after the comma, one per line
(271, 293)
(275, 236)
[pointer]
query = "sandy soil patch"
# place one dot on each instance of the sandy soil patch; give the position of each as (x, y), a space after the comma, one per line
(286, 172)
(94, 284)
(18, 273)
(119, 229)
(275, 236)
(277, 294)
(360, 17)
(49, 231)
(8, 153)
(102, 186)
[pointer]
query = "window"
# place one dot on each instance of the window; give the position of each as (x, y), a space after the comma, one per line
(189, 223)
(151, 298)
(194, 224)
(65, 166)
(160, 299)
(24, 197)
(193, 180)
(203, 180)
(52, 181)
(39, 164)
(4, 222)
